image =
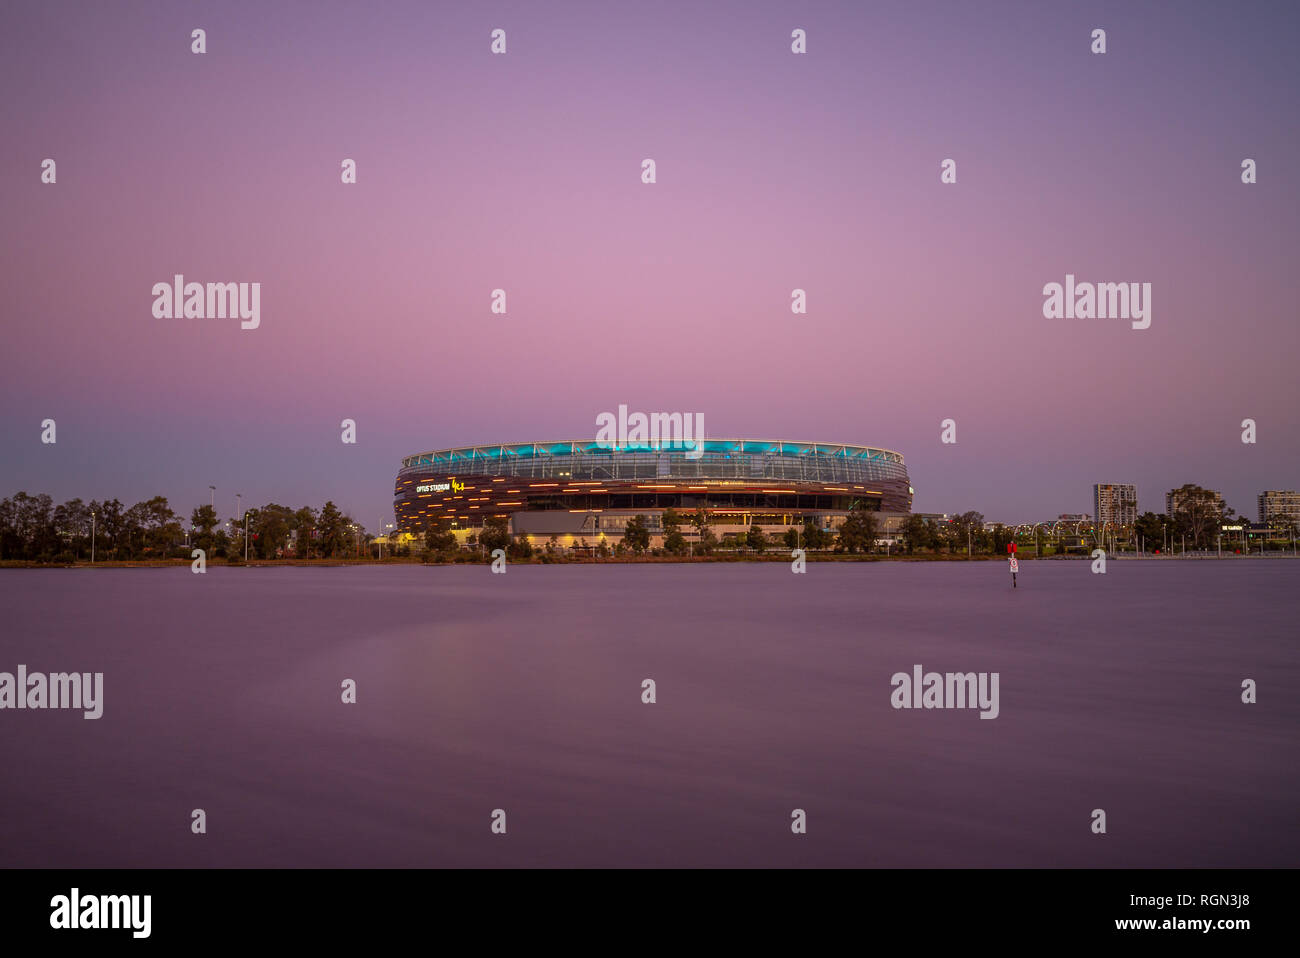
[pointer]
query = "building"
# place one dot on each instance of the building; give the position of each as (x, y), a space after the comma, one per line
(1116, 503)
(1279, 507)
(580, 490)
(1174, 502)
(1074, 516)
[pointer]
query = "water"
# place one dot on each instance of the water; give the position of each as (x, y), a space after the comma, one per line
(523, 692)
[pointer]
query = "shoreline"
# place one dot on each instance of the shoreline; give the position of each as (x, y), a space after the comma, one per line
(622, 560)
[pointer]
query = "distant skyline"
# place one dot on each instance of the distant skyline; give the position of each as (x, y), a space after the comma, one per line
(775, 171)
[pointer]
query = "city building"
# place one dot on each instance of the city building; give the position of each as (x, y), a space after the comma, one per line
(1280, 507)
(1174, 502)
(580, 490)
(1116, 503)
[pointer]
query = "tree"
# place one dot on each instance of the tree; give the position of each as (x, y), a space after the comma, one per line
(271, 530)
(702, 524)
(521, 548)
(1198, 514)
(72, 525)
(674, 541)
(999, 539)
(332, 528)
(636, 536)
(203, 519)
(858, 531)
(495, 534)
(1151, 530)
(701, 519)
(10, 545)
(967, 528)
(303, 523)
(814, 537)
(707, 543)
(792, 540)
(151, 527)
(916, 534)
(755, 538)
(439, 540)
(937, 535)
(33, 526)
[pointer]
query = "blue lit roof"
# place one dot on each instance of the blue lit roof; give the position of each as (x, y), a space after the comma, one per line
(578, 447)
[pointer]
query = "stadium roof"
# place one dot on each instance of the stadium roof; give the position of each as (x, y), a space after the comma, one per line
(725, 447)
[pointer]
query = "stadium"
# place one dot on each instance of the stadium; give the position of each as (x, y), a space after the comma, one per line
(579, 491)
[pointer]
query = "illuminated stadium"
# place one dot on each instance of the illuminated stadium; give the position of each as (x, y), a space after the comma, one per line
(578, 489)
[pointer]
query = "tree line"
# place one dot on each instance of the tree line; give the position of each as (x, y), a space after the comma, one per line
(34, 529)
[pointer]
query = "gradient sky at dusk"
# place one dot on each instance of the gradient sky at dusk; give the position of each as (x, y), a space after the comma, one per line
(522, 171)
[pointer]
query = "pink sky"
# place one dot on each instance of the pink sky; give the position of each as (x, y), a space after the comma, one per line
(522, 172)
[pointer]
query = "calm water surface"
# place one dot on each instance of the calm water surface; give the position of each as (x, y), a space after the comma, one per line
(523, 692)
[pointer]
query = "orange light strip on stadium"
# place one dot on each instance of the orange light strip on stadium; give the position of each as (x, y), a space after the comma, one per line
(584, 483)
(498, 480)
(542, 485)
(836, 488)
(776, 490)
(507, 504)
(586, 510)
(660, 486)
(508, 491)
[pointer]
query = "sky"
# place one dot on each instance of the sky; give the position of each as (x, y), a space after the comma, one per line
(522, 172)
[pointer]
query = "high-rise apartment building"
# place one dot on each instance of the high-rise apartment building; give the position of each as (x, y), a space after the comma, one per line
(1114, 502)
(1281, 505)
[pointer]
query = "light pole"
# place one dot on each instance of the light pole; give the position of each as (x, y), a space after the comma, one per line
(92, 538)
(245, 536)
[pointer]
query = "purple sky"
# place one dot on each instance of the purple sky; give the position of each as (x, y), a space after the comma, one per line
(522, 171)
